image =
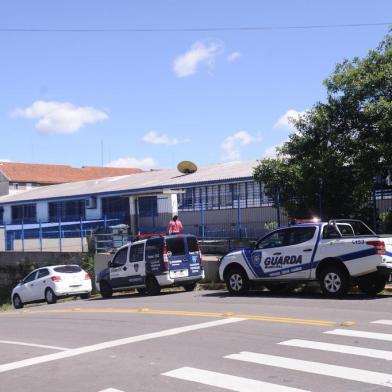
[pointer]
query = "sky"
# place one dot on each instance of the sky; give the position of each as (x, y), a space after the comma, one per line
(151, 99)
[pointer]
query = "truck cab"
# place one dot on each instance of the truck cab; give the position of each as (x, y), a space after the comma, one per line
(337, 254)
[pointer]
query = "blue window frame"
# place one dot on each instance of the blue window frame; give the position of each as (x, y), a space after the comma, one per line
(26, 213)
(66, 211)
(148, 206)
(116, 207)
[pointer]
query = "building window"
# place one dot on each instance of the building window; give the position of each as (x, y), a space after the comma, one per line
(148, 206)
(254, 194)
(67, 211)
(116, 207)
(226, 196)
(24, 213)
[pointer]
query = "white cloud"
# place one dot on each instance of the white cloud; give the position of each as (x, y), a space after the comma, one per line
(156, 138)
(60, 117)
(5, 160)
(284, 121)
(233, 144)
(144, 163)
(233, 57)
(200, 53)
(271, 152)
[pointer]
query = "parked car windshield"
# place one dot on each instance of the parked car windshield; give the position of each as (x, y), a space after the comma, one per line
(68, 269)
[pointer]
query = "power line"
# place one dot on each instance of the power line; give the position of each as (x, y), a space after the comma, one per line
(192, 29)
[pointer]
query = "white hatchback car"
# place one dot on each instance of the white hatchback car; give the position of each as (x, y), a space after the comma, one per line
(49, 283)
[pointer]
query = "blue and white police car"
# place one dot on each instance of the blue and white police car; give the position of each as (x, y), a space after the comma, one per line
(153, 263)
(337, 254)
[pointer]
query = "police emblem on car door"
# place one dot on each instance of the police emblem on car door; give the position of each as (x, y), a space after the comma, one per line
(286, 253)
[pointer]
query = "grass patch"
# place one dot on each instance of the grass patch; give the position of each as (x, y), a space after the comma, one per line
(5, 306)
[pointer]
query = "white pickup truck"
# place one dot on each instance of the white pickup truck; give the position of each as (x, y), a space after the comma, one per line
(338, 254)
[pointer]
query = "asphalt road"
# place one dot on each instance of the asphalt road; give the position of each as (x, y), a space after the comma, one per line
(200, 341)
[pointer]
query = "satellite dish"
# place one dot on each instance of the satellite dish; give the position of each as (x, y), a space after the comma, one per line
(186, 167)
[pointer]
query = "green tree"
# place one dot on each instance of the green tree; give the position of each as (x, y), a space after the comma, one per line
(339, 145)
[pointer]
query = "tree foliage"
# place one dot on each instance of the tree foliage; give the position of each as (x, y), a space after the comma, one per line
(340, 145)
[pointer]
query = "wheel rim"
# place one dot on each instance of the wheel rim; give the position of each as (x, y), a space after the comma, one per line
(49, 296)
(236, 282)
(332, 282)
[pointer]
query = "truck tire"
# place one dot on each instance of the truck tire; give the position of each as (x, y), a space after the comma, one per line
(237, 281)
(105, 289)
(373, 284)
(334, 281)
(152, 286)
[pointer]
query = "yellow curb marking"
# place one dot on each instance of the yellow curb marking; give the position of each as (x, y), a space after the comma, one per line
(274, 319)
(347, 323)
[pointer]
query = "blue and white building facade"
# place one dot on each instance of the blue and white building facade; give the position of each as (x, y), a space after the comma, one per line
(220, 200)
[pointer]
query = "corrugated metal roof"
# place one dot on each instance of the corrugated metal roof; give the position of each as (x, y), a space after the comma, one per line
(138, 182)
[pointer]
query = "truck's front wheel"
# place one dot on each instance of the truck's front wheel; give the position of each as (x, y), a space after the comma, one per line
(237, 282)
(372, 285)
(334, 281)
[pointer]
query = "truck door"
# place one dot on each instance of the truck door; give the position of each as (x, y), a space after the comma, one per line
(285, 254)
(137, 265)
(119, 269)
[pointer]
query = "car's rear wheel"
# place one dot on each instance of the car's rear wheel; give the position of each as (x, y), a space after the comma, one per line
(85, 296)
(152, 286)
(372, 285)
(50, 296)
(334, 281)
(18, 304)
(105, 289)
(237, 281)
(189, 286)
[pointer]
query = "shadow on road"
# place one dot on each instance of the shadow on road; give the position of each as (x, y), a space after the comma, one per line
(298, 295)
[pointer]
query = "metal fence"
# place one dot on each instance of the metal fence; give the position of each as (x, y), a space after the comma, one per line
(246, 219)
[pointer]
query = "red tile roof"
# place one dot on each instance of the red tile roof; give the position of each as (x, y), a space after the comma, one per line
(58, 174)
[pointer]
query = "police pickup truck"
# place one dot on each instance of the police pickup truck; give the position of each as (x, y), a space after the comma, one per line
(338, 254)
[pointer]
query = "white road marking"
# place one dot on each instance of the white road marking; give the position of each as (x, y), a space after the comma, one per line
(361, 334)
(383, 322)
(339, 348)
(111, 390)
(323, 369)
(33, 345)
(221, 380)
(113, 343)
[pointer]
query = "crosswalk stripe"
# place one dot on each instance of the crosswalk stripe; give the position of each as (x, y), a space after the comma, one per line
(111, 390)
(384, 322)
(342, 372)
(232, 383)
(339, 348)
(361, 334)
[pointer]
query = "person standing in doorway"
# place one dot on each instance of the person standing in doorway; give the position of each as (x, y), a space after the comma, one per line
(175, 226)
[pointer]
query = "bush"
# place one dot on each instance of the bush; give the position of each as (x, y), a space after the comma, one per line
(386, 222)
